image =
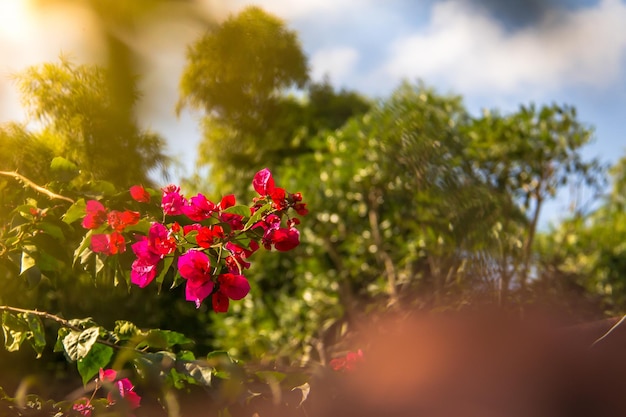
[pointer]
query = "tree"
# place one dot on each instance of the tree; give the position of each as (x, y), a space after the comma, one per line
(528, 156)
(77, 112)
(238, 75)
(237, 71)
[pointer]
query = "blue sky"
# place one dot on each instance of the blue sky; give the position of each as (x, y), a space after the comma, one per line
(497, 54)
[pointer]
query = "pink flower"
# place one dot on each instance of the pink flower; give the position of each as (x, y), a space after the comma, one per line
(96, 215)
(107, 375)
(160, 241)
(263, 182)
(144, 268)
(347, 363)
(125, 390)
(199, 208)
(231, 286)
(195, 267)
(83, 406)
(139, 194)
(110, 244)
(172, 201)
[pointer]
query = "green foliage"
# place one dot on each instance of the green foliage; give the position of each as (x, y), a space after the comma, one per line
(75, 105)
(219, 78)
(249, 122)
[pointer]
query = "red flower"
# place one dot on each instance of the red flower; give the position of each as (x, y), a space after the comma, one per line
(96, 215)
(120, 220)
(227, 201)
(111, 244)
(208, 235)
(138, 193)
(199, 208)
(172, 201)
(231, 286)
(348, 362)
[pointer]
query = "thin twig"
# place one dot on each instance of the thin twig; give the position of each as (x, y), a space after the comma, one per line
(61, 321)
(36, 187)
(609, 331)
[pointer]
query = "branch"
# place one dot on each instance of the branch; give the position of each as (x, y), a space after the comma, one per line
(36, 187)
(61, 321)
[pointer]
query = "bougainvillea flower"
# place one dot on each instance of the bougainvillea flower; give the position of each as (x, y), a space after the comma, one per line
(231, 287)
(237, 261)
(197, 291)
(199, 208)
(190, 227)
(235, 221)
(83, 407)
(348, 362)
(279, 200)
(142, 272)
(172, 201)
(263, 182)
(227, 201)
(144, 268)
(160, 241)
(284, 239)
(96, 215)
(125, 390)
(108, 244)
(139, 194)
(107, 375)
(119, 220)
(195, 267)
(207, 236)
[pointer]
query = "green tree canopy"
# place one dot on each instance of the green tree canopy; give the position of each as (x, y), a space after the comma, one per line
(74, 107)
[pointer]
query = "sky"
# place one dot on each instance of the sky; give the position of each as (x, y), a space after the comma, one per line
(496, 54)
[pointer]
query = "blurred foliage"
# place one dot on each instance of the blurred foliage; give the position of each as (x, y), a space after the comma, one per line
(74, 106)
(414, 202)
(250, 121)
(586, 253)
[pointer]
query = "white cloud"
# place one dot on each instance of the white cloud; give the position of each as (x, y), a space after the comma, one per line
(337, 63)
(467, 50)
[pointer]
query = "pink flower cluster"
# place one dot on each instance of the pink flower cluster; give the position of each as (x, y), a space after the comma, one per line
(108, 243)
(120, 389)
(213, 244)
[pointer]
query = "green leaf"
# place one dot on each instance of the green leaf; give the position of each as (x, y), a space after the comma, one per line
(257, 215)
(37, 336)
(84, 245)
(201, 373)
(167, 263)
(125, 330)
(63, 169)
(28, 261)
(58, 346)
(75, 212)
(239, 209)
(78, 344)
(15, 331)
(52, 230)
(98, 357)
(162, 339)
